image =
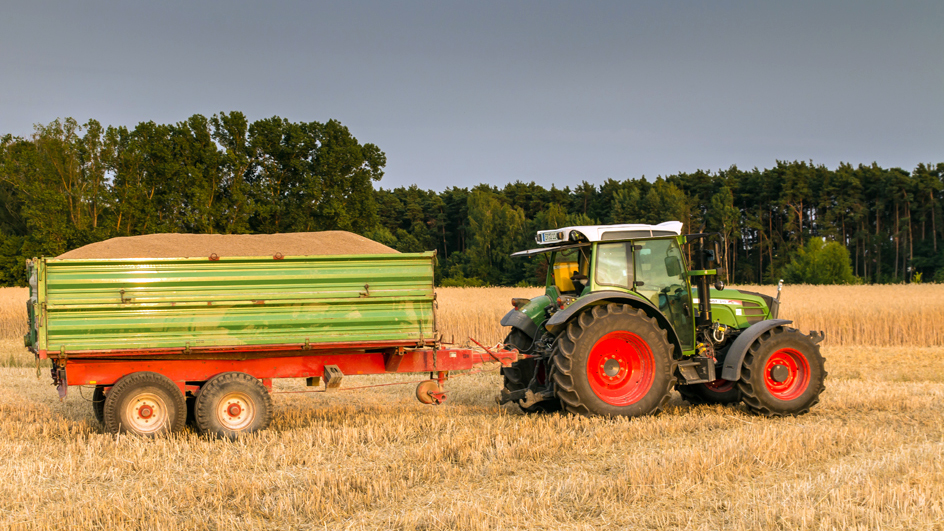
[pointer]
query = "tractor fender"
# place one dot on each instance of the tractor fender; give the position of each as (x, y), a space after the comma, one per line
(521, 321)
(734, 359)
(559, 319)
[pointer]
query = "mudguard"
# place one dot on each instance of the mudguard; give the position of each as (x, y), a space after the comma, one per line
(521, 321)
(557, 321)
(734, 359)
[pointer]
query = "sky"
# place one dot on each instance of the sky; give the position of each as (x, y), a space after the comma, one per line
(463, 93)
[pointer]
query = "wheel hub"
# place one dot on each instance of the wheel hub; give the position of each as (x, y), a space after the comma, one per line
(234, 410)
(787, 374)
(620, 368)
(146, 413)
(779, 373)
(611, 367)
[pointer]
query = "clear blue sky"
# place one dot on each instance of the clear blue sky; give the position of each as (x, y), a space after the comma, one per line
(462, 93)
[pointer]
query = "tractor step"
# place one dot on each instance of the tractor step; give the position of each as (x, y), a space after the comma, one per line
(698, 369)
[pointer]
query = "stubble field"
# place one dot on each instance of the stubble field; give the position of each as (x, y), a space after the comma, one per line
(869, 456)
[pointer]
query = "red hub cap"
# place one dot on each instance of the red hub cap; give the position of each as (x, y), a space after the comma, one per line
(145, 412)
(621, 368)
(234, 410)
(787, 374)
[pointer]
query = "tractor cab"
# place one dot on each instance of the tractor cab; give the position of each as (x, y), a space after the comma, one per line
(643, 260)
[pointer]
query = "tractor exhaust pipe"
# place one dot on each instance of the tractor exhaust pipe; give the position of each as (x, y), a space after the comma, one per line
(704, 298)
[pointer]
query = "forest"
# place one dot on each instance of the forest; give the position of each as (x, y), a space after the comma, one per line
(70, 184)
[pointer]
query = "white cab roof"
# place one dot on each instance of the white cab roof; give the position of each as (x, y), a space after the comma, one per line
(598, 233)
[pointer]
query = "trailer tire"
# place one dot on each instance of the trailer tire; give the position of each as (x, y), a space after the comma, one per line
(231, 404)
(98, 403)
(613, 360)
(144, 403)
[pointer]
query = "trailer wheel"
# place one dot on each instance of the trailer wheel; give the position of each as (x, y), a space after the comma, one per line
(231, 404)
(716, 392)
(613, 360)
(144, 403)
(98, 403)
(783, 374)
(429, 392)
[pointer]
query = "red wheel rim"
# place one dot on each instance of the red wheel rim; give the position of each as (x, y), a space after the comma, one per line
(621, 368)
(792, 369)
(720, 386)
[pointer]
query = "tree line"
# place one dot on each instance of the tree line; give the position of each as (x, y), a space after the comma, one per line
(70, 184)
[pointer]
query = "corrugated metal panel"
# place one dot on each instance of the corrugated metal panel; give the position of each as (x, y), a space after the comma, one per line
(170, 303)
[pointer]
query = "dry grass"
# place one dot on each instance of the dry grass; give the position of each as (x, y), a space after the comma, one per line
(889, 315)
(476, 312)
(869, 456)
(13, 319)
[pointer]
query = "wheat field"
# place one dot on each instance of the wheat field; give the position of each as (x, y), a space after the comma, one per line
(869, 456)
(892, 315)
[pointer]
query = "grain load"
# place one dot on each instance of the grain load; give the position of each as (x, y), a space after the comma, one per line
(334, 242)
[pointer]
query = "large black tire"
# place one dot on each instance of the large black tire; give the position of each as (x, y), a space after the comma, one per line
(231, 404)
(98, 403)
(521, 372)
(144, 403)
(783, 374)
(520, 340)
(716, 392)
(613, 360)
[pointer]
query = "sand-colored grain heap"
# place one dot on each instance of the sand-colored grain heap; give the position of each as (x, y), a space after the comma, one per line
(330, 242)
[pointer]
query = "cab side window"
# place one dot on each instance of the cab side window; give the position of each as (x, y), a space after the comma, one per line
(614, 264)
(570, 266)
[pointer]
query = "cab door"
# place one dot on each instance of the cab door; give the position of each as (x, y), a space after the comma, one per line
(660, 277)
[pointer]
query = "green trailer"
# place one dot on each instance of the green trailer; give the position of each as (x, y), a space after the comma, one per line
(150, 334)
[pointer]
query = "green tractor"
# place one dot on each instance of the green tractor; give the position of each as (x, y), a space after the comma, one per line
(619, 327)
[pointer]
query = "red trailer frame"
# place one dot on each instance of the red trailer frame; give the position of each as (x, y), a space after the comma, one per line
(190, 370)
(105, 369)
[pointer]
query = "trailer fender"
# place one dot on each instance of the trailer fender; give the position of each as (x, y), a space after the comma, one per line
(557, 321)
(734, 359)
(521, 321)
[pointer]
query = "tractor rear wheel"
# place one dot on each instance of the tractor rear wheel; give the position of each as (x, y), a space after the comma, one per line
(716, 392)
(613, 360)
(523, 371)
(783, 374)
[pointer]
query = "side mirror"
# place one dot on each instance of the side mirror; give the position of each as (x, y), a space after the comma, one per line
(711, 256)
(673, 267)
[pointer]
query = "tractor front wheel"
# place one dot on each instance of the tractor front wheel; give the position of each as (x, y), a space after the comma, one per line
(613, 360)
(783, 374)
